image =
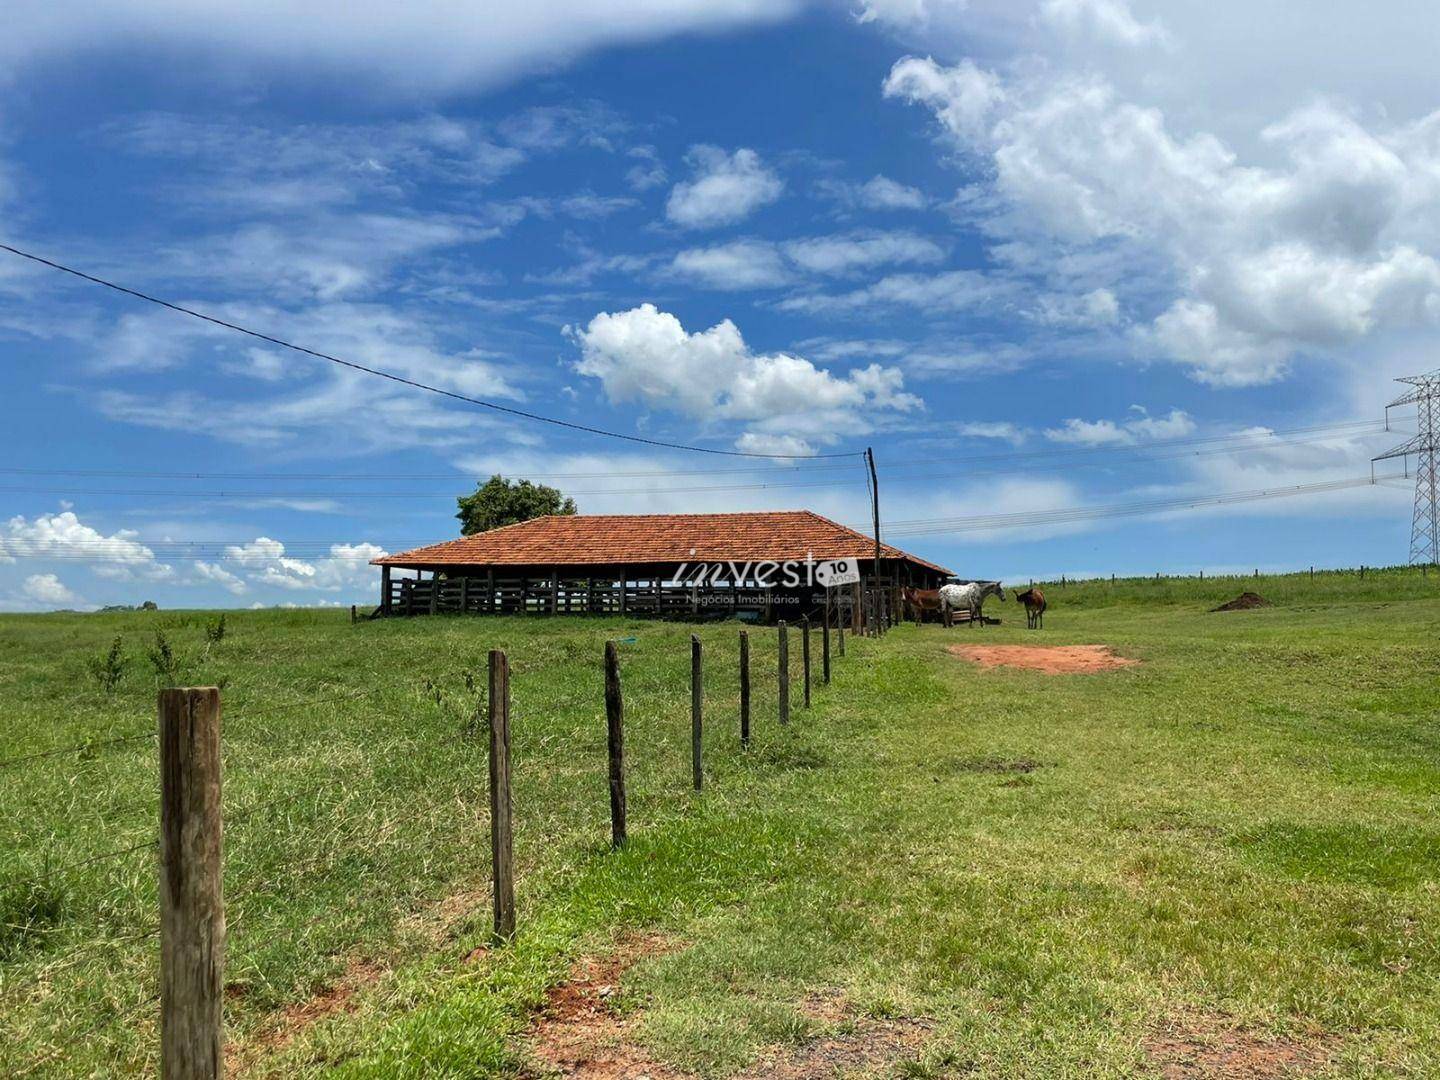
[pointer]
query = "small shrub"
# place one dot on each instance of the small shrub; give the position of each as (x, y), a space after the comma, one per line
(163, 659)
(110, 668)
(215, 632)
(28, 908)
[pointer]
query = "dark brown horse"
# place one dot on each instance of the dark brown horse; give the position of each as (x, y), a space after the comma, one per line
(1034, 601)
(919, 601)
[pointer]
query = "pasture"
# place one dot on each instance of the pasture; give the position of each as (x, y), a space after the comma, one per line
(1225, 853)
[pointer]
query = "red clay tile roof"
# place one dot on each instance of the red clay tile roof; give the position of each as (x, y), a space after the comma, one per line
(634, 539)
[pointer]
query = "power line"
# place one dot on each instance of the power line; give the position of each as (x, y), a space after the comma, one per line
(390, 375)
(1224, 449)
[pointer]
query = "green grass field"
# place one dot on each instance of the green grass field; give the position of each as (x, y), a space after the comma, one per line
(1240, 833)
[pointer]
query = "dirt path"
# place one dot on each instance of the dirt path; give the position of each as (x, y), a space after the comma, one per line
(1051, 659)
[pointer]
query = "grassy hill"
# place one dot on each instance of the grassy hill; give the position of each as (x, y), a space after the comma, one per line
(1230, 845)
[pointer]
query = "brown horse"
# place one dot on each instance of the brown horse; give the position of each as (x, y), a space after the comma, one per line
(1034, 601)
(919, 601)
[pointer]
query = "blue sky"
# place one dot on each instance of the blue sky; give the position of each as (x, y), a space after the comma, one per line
(1041, 256)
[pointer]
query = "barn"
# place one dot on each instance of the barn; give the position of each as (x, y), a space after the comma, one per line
(757, 566)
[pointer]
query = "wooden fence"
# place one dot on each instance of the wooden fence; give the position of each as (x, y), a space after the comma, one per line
(649, 598)
(192, 908)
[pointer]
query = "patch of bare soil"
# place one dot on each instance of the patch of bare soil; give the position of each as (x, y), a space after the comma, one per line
(1246, 601)
(1051, 659)
(1211, 1048)
(579, 1034)
(859, 1045)
(291, 1021)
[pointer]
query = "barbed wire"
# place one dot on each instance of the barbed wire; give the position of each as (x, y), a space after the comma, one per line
(91, 744)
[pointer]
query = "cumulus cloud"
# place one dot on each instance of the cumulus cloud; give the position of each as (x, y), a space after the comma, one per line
(265, 564)
(724, 188)
(119, 556)
(1139, 426)
(1329, 235)
(646, 355)
(218, 575)
(48, 589)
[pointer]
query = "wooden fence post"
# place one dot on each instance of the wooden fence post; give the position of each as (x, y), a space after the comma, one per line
(825, 650)
(697, 702)
(805, 655)
(502, 864)
(192, 907)
(784, 663)
(354, 618)
(744, 688)
(615, 730)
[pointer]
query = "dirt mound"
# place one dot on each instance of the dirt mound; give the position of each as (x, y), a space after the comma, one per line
(1246, 601)
(1052, 659)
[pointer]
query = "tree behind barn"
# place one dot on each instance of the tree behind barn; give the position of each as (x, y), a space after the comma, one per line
(504, 502)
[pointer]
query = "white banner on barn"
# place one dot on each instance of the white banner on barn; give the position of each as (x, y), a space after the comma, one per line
(837, 572)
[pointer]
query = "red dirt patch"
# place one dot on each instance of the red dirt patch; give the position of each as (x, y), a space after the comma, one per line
(578, 1034)
(1213, 1048)
(1051, 659)
(1246, 601)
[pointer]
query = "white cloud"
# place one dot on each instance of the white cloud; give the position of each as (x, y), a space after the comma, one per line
(742, 264)
(786, 446)
(119, 556)
(1140, 425)
(1333, 237)
(646, 355)
(949, 290)
(759, 264)
(1103, 21)
(842, 254)
(426, 46)
(648, 171)
(265, 564)
(877, 193)
(48, 589)
(220, 576)
(724, 189)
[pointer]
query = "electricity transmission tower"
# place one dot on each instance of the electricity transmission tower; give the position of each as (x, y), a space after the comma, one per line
(1425, 396)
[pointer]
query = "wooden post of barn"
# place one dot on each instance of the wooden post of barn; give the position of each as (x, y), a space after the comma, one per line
(805, 655)
(744, 688)
(697, 703)
(554, 590)
(501, 860)
(465, 595)
(840, 625)
(615, 738)
(434, 591)
(784, 666)
(385, 589)
(192, 908)
(490, 603)
(825, 650)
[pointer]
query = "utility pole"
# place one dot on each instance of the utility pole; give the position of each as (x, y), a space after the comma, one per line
(1425, 525)
(874, 507)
